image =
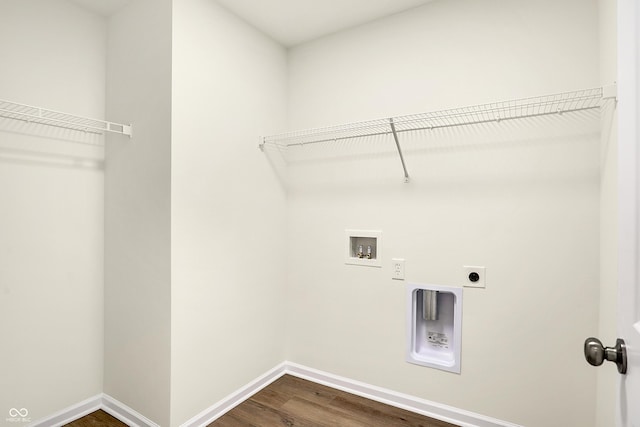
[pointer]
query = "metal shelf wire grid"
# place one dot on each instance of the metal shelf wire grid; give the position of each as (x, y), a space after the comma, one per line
(27, 113)
(559, 103)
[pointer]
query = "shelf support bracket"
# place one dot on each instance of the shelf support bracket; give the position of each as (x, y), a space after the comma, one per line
(395, 137)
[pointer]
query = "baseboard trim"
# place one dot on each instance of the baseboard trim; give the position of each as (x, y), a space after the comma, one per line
(124, 413)
(410, 403)
(103, 401)
(231, 401)
(72, 413)
(134, 419)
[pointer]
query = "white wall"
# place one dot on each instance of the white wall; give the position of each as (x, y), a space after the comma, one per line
(137, 294)
(607, 388)
(51, 238)
(195, 304)
(228, 207)
(521, 198)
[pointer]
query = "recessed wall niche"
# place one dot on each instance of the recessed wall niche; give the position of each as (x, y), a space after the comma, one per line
(363, 247)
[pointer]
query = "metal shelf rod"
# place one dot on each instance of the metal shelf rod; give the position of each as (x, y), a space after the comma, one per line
(485, 113)
(31, 114)
(62, 125)
(547, 105)
(422, 128)
(395, 137)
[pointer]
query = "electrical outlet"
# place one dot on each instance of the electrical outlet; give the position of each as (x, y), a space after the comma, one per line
(474, 276)
(397, 265)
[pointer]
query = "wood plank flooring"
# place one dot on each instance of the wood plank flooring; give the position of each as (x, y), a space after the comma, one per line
(294, 402)
(98, 418)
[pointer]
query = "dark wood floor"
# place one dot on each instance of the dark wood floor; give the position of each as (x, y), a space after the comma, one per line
(294, 402)
(97, 418)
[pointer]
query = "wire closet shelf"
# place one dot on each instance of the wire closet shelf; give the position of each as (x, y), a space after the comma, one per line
(31, 114)
(559, 103)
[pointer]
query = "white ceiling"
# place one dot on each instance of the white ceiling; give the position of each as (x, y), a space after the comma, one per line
(291, 22)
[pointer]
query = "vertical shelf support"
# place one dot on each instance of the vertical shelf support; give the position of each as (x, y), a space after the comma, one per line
(395, 137)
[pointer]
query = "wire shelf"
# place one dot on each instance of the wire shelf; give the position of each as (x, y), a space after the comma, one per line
(559, 103)
(28, 113)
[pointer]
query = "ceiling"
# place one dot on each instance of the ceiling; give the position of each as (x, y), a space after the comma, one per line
(291, 22)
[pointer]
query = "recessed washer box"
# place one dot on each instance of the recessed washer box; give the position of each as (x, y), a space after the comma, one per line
(363, 247)
(434, 326)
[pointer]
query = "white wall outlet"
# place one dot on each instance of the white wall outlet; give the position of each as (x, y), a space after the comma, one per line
(397, 268)
(474, 276)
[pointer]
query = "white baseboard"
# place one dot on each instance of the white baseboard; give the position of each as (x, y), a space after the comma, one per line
(102, 401)
(220, 408)
(134, 419)
(410, 403)
(71, 413)
(124, 413)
